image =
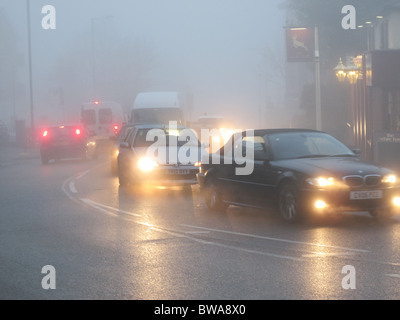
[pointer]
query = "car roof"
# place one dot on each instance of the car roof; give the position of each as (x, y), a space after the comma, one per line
(263, 132)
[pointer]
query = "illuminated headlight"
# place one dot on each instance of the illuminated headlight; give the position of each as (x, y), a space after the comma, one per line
(197, 164)
(321, 182)
(396, 201)
(146, 164)
(390, 179)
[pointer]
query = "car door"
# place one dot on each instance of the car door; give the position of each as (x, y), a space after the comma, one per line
(251, 170)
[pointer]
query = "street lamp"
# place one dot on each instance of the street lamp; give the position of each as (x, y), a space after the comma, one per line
(352, 72)
(340, 71)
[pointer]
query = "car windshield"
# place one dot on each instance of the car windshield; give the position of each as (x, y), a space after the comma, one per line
(295, 145)
(185, 137)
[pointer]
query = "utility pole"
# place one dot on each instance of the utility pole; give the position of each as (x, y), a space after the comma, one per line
(317, 81)
(30, 74)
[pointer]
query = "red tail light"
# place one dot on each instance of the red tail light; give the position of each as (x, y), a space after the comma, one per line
(45, 133)
(78, 131)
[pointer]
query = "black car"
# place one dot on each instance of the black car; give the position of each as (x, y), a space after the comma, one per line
(66, 141)
(298, 172)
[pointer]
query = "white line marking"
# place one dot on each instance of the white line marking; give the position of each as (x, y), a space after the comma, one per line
(72, 187)
(274, 239)
(178, 234)
(96, 204)
(393, 275)
(80, 175)
(197, 232)
(323, 254)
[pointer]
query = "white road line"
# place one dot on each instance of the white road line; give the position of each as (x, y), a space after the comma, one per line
(179, 234)
(274, 239)
(323, 254)
(80, 175)
(91, 202)
(72, 187)
(393, 275)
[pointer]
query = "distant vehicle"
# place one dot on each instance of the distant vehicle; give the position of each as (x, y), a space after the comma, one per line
(299, 173)
(136, 165)
(104, 119)
(158, 107)
(65, 142)
(122, 135)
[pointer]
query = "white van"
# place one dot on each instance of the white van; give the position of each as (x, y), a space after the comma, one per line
(158, 108)
(104, 119)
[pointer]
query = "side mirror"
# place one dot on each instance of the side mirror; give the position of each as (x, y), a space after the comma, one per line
(124, 145)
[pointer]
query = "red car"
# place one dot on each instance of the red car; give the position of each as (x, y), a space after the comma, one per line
(66, 141)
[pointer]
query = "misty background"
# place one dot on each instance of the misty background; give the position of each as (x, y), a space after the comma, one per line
(226, 56)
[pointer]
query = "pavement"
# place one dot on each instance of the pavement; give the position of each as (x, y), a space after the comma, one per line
(9, 153)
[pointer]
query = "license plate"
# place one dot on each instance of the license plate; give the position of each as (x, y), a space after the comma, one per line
(362, 195)
(178, 171)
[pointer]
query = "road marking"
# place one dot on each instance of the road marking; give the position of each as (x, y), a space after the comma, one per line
(324, 254)
(80, 175)
(393, 275)
(175, 233)
(197, 232)
(72, 187)
(274, 239)
(100, 205)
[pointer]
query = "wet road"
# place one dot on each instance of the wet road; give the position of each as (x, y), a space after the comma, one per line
(107, 242)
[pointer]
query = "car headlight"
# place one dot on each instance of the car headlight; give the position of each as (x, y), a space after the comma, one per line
(146, 164)
(322, 181)
(389, 179)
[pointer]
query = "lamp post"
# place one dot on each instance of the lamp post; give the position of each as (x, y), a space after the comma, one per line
(32, 133)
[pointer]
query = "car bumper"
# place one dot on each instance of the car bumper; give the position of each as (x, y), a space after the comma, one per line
(162, 177)
(68, 151)
(340, 201)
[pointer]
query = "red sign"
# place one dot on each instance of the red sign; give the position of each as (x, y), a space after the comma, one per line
(300, 45)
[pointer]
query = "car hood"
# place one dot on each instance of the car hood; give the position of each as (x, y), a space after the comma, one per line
(332, 166)
(172, 155)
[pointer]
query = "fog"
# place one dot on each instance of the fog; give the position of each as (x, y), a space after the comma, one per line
(226, 55)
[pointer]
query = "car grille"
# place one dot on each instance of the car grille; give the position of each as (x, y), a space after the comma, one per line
(358, 181)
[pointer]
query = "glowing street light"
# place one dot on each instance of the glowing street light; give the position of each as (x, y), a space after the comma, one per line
(340, 71)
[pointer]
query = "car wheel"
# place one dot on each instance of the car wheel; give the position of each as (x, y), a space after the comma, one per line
(288, 204)
(213, 197)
